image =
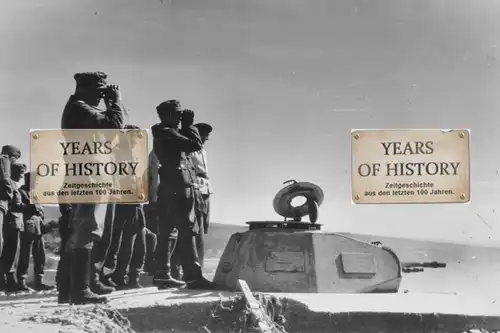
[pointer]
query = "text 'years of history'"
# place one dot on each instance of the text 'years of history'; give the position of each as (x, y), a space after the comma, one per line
(89, 166)
(410, 166)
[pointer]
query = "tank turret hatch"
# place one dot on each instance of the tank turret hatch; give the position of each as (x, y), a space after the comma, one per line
(283, 205)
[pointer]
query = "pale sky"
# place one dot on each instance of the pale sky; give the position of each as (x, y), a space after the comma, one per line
(283, 83)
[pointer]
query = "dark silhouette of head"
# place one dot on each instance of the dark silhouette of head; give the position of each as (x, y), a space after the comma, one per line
(204, 129)
(90, 87)
(12, 152)
(170, 112)
(17, 171)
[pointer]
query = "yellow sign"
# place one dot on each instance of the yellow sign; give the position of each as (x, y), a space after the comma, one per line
(410, 166)
(89, 166)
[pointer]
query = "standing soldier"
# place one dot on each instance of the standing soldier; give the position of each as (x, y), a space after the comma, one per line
(86, 223)
(31, 239)
(203, 191)
(12, 228)
(128, 222)
(176, 201)
(199, 160)
(8, 155)
(133, 250)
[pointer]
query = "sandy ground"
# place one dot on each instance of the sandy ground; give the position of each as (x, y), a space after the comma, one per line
(188, 311)
(46, 316)
(450, 309)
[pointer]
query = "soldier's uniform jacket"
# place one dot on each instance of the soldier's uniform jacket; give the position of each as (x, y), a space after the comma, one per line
(6, 184)
(33, 214)
(16, 208)
(79, 115)
(171, 146)
(199, 160)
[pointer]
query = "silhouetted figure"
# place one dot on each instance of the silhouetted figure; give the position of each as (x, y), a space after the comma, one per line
(86, 225)
(8, 156)
(12, 229)
(176, 197)
(31, 240)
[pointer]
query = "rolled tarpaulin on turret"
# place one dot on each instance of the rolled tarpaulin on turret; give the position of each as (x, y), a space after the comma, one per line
(282, 200)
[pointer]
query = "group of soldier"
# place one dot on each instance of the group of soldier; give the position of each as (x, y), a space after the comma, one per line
(21, 226)
(105, 247)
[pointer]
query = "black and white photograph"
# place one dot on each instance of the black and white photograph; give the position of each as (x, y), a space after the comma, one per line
(272, 166)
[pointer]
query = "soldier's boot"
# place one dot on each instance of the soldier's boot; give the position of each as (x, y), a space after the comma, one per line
(40, 286)
(163, 278)
(201, 283)
(109, 281)
(63, 279)
(121, 280)
(97, 286)
(11, 285)
(133, 280)
(2, 280)
(2, 277)
(23, 286)
(193, 272)
(150, 266)
(195, 279)
(80, 280)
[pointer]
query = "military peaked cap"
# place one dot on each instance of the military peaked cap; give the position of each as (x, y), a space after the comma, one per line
(171, 105)
(204, 127)
(11, 150)
(93, 80)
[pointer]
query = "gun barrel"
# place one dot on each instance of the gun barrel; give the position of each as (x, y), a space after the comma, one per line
(412, 270)
(425, 264)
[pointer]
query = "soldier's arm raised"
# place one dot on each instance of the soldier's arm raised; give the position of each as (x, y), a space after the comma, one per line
(192, 133)
(113, 103)
(93, 118)
(189, 142)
